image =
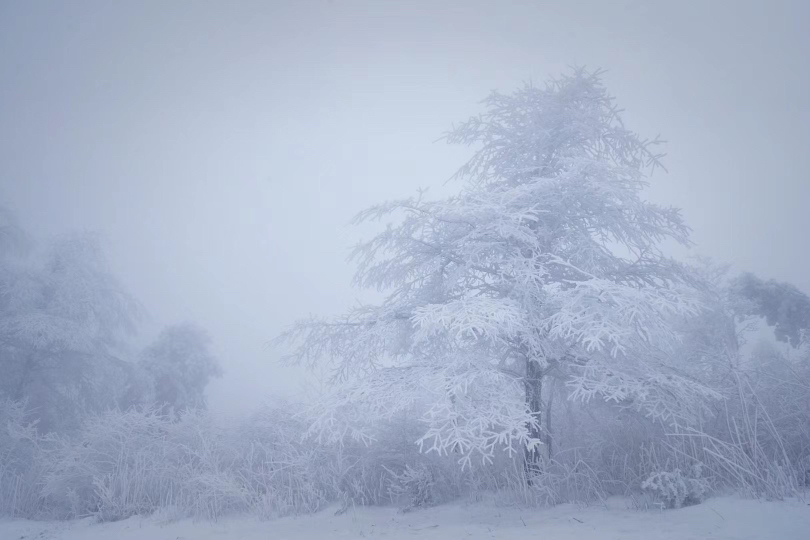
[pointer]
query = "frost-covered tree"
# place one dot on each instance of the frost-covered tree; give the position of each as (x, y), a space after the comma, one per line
(64, 319)
(547, 259)
(14, 241)
(782, 305)
(179, 365)
(734, 309)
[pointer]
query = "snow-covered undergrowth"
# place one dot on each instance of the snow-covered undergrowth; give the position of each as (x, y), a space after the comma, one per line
(123, 464)
(721, 518)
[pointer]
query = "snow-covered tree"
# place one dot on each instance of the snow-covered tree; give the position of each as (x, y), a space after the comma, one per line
(782, 305)
(547, 259)
(64, 319)
(13, 240)
(180, 365)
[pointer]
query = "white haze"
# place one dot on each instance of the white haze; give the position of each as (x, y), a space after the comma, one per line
(221, 148)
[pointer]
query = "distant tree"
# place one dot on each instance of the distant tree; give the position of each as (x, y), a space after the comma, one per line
(63, 322)
(782, 305)
(547, 259)
(14, 241)
(180, 365)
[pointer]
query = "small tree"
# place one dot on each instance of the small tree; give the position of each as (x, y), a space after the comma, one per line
(180, 365)
(547, 259)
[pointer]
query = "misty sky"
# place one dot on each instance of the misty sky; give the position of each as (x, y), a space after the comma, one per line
(221, 147)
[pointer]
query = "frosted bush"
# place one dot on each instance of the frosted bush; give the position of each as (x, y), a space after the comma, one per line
(416, 485)
(116, 466)
(21, 461)
(676, 489)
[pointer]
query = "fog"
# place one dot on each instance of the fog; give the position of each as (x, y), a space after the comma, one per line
(456, 269)
(222, 148)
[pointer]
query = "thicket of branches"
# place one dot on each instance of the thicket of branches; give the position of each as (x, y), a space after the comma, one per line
(755, 440)
(534, 345)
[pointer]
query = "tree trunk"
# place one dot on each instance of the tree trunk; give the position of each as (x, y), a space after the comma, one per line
(533, 383)
(548, 437)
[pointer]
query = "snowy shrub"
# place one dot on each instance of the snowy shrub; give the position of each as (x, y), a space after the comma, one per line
(415, 485)
(387, 468)
(568, 483)
(118, 465)
(283, 472)
(676, 489)
(24, 459)
(137, 462)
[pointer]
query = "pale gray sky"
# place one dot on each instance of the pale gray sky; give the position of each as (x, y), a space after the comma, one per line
(221, 147)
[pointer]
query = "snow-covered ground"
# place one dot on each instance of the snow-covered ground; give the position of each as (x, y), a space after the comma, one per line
(720, 518)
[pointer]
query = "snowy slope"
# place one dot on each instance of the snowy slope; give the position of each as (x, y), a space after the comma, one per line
(722, 518)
